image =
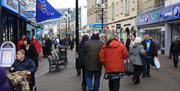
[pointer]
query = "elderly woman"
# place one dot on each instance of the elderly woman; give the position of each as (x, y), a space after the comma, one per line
(112, 56)
(136, 55)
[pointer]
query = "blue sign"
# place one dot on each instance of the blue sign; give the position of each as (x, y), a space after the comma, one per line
(23, 11)
(97, 25)
(10, 4)
(31, 14)
(159, 15)
(44, 11)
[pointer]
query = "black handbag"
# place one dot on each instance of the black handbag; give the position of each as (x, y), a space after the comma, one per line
(129, 68)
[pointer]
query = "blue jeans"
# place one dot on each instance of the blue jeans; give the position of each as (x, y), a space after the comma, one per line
(89, 78)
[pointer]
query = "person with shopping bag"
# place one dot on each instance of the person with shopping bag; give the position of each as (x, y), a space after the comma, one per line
(136, 56)
(112, 56)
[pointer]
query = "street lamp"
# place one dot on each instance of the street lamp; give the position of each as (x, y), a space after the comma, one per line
(77, 25)
(102, 5)
(66, 17)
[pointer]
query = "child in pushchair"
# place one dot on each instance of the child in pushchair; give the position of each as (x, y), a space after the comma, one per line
(22, 73)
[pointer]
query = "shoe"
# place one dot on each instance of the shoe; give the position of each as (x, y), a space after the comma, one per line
(143, 76)
(149, 76)
(84, 88)
(175, 65)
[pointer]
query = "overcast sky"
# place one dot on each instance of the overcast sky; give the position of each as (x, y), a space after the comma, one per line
(66, 3)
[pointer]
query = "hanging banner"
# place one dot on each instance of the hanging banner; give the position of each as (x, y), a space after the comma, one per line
(44, 11)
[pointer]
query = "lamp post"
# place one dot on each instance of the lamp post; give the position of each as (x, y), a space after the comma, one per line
(102, 16)
(77, 25)
(102, 6)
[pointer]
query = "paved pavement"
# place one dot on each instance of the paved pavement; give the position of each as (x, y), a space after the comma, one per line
(165, 79)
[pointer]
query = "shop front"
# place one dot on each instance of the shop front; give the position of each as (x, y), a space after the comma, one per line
(123, 28)
(13, 25)
(162, 24)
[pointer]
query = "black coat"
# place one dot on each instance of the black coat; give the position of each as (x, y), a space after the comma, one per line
(81, 54)
(32, 54)
(175, 46)
(153, 49)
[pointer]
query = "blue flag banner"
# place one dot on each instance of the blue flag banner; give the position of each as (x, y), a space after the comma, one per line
(44, 11)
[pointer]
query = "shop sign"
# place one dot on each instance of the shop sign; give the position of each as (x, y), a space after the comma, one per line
(23, 11)
(159, 15)
(94, 26)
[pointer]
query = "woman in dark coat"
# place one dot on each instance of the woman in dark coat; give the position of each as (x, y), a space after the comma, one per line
(32, 54)
(48, 45)
(81, 59)
(30, 51)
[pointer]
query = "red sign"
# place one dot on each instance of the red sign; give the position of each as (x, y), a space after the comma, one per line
(106, 28)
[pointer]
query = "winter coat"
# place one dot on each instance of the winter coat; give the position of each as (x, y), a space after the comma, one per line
(81, 54)
(153, 49)
(4, 86)
(37, 45)
(20, 43)
(27, 64)
(112, 56)
(32, 54)
(136, 54)
(91, 52)
(175, 46)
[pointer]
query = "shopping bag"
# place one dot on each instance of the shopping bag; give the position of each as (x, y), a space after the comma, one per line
(156, 62)
(129, 68)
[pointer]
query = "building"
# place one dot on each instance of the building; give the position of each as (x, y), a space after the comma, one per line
(95, 14)
(121, 17)
(83, 16)
(162, 22)
(13, 20)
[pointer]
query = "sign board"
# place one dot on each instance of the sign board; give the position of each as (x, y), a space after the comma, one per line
(23, 11)
(7, 54)
(168, 13)
(10, 4)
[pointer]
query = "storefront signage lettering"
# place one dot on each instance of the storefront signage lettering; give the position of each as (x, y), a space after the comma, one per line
(159, 15)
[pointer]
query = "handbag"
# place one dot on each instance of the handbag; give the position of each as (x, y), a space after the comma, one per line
(129, 68)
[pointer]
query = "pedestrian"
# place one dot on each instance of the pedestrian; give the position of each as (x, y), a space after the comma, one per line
(4, 84)
(82, 59)
(37, 44)
(92, 62)
(30, 51)
(151, 52)
(21, 42)
(112, 56)
(136, 57)
(175, 49)
(48, 45)
(44, 47)
(71, 44)
(128, 41)
(23, 64)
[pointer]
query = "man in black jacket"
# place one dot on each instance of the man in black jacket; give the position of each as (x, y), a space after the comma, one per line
(92, 62)
(175, 49)
(151, 51)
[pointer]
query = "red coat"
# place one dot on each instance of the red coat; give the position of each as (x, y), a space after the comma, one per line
(20, 43)
(37, 46)
(112, 56)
